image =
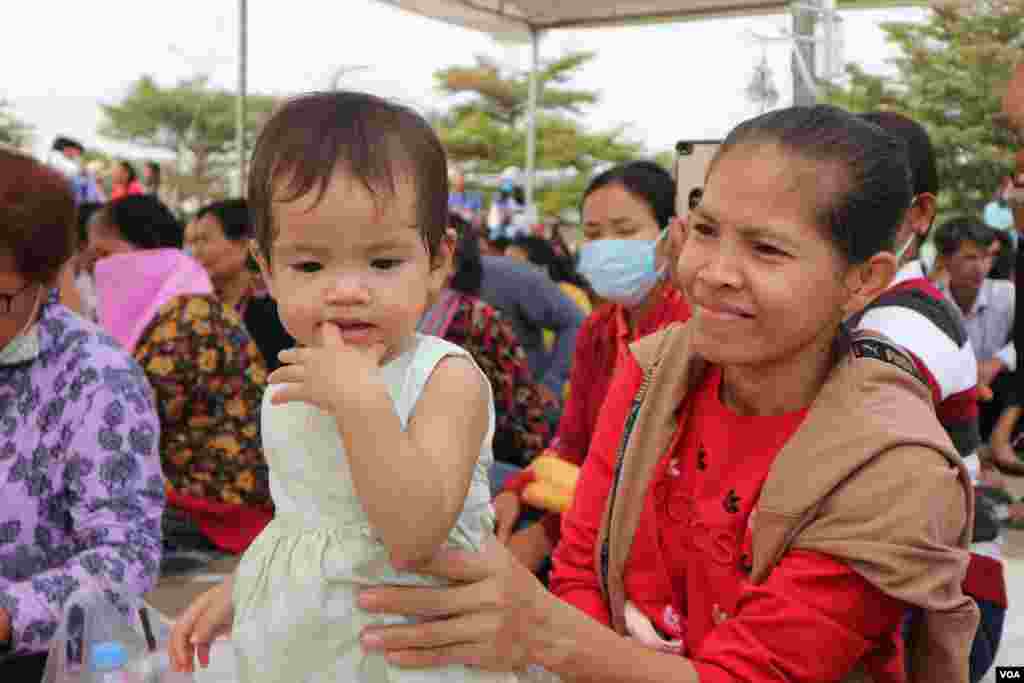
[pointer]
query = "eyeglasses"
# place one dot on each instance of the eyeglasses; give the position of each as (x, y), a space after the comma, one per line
(7, 300)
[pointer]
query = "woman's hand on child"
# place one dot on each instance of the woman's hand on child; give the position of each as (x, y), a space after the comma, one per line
(493, 616)
(329, 375)
(208, 617)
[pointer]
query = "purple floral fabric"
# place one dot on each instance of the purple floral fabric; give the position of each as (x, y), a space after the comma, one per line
(81, 493)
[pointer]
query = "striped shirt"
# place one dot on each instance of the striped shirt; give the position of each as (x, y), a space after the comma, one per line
(914, 314)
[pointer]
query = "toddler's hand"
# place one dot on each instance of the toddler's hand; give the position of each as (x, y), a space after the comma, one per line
(206, 619)
(329, 375)
(640, 627)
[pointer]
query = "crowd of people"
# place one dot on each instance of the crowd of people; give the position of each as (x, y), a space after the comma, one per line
(786, 430)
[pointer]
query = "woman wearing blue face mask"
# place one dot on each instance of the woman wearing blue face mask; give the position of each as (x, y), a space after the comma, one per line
(626, 216)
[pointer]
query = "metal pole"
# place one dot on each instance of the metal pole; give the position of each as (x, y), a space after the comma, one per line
(531, 113)
(828, 16)
(802, 66)
(243, 21)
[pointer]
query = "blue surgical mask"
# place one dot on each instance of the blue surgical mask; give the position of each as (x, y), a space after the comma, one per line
(622, 271)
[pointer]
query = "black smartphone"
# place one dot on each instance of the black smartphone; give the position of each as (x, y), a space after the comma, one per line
(692, 160)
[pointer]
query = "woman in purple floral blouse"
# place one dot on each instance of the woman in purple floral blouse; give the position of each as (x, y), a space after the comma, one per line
(81, 494)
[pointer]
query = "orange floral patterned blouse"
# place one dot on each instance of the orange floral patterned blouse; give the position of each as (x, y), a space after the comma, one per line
(209, 379)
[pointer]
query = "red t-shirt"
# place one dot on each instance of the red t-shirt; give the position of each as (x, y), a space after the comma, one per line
(811, 620)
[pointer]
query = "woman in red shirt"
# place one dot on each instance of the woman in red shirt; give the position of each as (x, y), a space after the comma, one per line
(124, 181)
(765, 496)
(626, 212)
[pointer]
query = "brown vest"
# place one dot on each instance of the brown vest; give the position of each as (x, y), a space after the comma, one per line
(870, 478)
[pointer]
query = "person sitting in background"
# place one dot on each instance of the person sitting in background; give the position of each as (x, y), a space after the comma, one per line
(625, 210)
(997, 214)
(525, 410)
(466, 205)
(1004, 256)
(219, 239)
(531, 302)
(151, 176)
(505, 218)
(561, 269)
(124, 181)
(987, 305)
(67, 157)
(208, 374)
(81, 495)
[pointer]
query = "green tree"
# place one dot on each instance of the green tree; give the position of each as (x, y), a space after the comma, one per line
(950, 76)
(487, 124)
(13, 131)
(192, 119)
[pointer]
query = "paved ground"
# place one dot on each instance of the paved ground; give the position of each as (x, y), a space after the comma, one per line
(1011, 651)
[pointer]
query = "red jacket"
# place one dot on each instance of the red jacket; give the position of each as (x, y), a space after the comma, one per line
(602, 338)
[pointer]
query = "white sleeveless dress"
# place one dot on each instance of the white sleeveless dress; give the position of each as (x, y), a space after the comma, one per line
(296, 620)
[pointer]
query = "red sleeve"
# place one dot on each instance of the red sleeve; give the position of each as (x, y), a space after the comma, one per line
(574, 577)
(573, 438)
(813, 619)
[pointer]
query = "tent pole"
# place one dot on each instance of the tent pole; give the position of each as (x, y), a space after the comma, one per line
(802, 66)
(531, 121)
(243, 21)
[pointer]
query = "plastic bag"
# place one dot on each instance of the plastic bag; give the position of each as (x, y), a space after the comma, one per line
(105, 637)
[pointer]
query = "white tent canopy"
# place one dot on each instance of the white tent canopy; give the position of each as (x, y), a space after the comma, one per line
(520, 17)
(525, 20)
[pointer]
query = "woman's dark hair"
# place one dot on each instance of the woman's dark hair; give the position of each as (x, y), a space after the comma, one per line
(541, 252)
(37, 216)
(1002, 267)
(144, 221)
(63, 142)
(469, 270)
(924, 173)
(956, 231)
(233, 216)
(645, 180)
(378, 143)
(129, 169)
(862, 186)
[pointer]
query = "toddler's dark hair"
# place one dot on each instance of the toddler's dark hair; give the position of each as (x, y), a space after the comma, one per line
(377, 142)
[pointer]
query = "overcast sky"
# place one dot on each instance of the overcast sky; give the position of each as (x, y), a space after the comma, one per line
(667, 82)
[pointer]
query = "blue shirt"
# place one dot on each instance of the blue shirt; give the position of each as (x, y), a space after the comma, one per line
(532, 302)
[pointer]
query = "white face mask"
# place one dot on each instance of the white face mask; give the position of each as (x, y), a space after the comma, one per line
(24, 347)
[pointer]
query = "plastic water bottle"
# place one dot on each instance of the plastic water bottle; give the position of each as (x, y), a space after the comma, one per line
(110, 663)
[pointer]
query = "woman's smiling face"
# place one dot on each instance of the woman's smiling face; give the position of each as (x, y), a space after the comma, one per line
(764, 281)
